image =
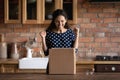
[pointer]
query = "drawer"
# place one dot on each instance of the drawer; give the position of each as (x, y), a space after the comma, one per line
(84, 67)
(107, 67)
(9, 68)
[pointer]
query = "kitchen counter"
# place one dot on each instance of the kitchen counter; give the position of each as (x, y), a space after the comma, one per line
(8, 61)
(78, 61)
(82, 65)
(92, 61)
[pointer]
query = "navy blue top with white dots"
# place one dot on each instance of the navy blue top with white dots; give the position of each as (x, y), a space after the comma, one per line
(59, 40)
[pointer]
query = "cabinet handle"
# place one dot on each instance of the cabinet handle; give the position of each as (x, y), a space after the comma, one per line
(113, 68)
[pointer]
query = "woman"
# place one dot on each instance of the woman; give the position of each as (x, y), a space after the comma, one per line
(59, 34)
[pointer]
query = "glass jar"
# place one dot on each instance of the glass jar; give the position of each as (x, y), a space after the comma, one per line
(14, 52)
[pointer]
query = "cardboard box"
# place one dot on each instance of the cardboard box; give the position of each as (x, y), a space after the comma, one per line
(62, 61)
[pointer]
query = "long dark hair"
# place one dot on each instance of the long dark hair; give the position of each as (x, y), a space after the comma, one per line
(55, 14)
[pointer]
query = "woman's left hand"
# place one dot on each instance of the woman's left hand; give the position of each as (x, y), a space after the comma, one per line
(76, 30)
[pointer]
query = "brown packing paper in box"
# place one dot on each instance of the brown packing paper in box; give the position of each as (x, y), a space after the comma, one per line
(62, 61)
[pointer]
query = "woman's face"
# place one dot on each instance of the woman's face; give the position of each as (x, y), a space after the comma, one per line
(60, 22)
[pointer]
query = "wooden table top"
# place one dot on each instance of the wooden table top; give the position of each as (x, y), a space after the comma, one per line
(79, 76)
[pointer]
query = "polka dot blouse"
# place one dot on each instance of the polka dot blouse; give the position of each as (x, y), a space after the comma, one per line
(60, 40)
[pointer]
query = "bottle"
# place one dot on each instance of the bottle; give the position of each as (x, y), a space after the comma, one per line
(3, 50)
(14, 52)
(3, 47)
(29, 53)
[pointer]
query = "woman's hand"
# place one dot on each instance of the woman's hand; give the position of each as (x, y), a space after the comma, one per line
(76, 30)
(43, 34)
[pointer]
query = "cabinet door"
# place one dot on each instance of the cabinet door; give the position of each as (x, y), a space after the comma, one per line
(70, 6)
(12, 11)
(31, 11)
(47, 9)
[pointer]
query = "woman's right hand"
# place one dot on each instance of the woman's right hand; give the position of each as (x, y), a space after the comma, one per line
(43, 34)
